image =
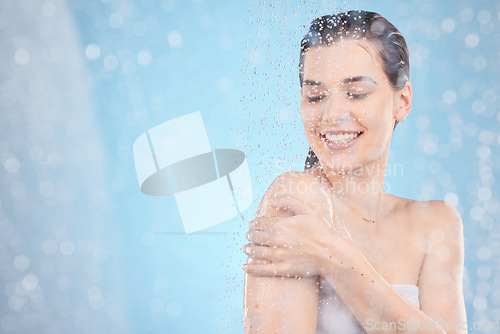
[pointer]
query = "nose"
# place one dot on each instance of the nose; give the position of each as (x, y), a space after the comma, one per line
(337, 109)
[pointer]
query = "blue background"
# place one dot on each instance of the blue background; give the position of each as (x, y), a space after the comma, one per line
(82, 250)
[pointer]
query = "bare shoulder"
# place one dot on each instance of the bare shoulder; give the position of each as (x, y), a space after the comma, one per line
(435, 214)
(295, 183)
(295, 178)
(430, 221)
(441, 225)
(444, 220)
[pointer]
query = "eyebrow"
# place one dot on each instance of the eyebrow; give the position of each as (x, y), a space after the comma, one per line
(360, 78)
(312, 83)
(345, 81)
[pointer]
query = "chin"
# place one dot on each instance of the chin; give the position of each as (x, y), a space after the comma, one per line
(338, 166)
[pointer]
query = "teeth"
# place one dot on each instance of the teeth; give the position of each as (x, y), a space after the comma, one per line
(341, 138)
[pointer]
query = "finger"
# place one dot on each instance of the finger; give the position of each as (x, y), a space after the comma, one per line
(263, 252)
(290, 203)
(264, 238)
(257, 261)
(259, 237)
(270, 270)
(263, 223)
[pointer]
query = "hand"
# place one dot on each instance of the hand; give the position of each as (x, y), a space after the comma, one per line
(292, 246)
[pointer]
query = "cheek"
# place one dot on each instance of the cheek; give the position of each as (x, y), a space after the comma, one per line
(310, 119)
(376, 113)
(380, 127)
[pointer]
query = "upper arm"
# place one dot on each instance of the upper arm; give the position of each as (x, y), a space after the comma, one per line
(441, 275)
(275, 304)
(280, 305)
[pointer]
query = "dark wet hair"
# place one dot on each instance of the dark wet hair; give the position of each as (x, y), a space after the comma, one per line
(359, 24)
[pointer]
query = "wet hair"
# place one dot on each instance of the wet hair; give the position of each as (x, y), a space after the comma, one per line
(390, 44)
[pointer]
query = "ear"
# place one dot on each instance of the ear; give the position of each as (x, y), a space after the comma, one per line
(403, 102)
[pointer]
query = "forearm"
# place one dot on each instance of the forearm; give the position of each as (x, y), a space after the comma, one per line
(376, 305)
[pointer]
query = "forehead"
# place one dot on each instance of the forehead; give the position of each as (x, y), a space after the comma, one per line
(343, 59)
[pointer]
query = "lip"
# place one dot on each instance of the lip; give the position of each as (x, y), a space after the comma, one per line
(338, 132)
(339, 146)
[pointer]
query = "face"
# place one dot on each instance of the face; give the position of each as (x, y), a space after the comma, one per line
(348, 106)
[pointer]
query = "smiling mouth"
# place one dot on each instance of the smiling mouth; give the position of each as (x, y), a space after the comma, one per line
(340, 138)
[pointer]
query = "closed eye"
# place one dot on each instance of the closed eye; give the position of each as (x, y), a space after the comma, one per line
(314, 99)
(356, 92)
(357, 96)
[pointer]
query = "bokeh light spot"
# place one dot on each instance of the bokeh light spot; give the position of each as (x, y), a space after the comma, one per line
(174, 39)
(93, 51)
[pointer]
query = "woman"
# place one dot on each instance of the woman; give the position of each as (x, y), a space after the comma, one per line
(330, 251)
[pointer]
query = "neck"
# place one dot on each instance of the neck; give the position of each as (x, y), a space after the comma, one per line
(361, 188)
